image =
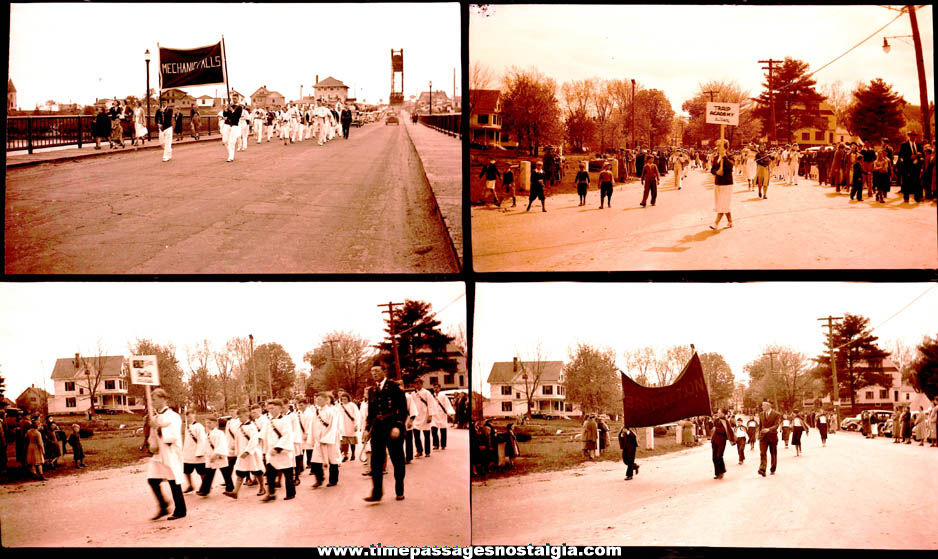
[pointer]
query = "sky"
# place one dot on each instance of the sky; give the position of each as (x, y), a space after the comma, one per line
(45, 321)
(675, 48)
(736, 320)
(71, 52)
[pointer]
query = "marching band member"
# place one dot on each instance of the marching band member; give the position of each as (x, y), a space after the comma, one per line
(247, 463)
(166, 463)
(325, 438)
(193, 450)
(233, 126)
(306, 422)
(245, 129)
(300, 122)
(279, 440)
(444, 409)
(271, 121)
(424, 421)
(217, 456)
(223, 125)
(321, 122)
(348, 414)
(260, 117)
(384, 428)
(284, 122)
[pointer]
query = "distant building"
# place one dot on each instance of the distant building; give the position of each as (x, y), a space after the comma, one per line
(205, 101)
(331, 90)
(457, 380)
(508, 389)
(178, 99)
(898, 393)
(266, 98)
(33, 400)
(71, 378)
(11, 95)
(485, 118)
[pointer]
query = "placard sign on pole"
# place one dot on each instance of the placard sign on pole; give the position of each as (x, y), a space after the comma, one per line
(723, 113)
(143, 370)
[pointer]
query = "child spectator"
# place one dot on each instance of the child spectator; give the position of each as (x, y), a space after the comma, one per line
(74, 440)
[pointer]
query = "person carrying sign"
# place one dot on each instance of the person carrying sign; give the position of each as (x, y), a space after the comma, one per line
(722, 171)
(165, 441)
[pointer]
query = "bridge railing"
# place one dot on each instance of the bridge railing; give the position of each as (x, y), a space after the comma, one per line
(37, 132)
(450, 124)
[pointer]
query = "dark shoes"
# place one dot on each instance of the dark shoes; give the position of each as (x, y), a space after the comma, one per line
(269, 498)
(160, 514)
(372, 499)
(231, 494)
(399, 498)
(762, 473)
(175, 517)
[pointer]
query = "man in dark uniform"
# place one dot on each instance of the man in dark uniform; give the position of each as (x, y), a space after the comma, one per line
(346, 120)
(769, 421)
(910, 167)
(628, 442)
(722, 431)
(385, 427)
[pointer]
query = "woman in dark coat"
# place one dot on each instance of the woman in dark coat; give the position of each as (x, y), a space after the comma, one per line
(101, 127)
(590, 436)
(798, 426)
(177, 125)
(628, 442)
(117, 133)
(51, 449)
(603, 434)
(907, 426)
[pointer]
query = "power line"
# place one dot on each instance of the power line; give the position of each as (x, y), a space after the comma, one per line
(432, 315)
(893, 316)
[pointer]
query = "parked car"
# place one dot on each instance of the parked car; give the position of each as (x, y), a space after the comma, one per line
(853, 423)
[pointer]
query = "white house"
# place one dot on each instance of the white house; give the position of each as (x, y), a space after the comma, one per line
(331, 90)
(510, 381)
(457, 380)
(72, 376)
(898, 393)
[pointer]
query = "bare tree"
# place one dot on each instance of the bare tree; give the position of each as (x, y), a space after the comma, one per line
(604, 104)
(531, 372)
(341, 361)
(903, 355)
(640, 363)
(200, 381)
(459, 339)
(93, 371)
(480, 76)
(223, 363)
(240, 351)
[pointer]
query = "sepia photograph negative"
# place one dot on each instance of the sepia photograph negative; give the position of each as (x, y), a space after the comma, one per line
(705, 415)
(705, 138)
(233, 139)
(172, 414)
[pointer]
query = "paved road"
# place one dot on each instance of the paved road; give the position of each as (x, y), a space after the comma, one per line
(798, 227)
(112, 509)
(855, 493)
(356, 206)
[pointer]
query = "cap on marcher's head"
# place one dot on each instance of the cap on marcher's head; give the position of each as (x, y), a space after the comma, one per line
(913, 133)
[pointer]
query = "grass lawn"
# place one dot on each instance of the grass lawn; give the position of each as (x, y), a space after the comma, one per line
(548, 451)
(109, 447)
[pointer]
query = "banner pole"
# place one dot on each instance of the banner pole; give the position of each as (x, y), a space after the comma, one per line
(224, 57)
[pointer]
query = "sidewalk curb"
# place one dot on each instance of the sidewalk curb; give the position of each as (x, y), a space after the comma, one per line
(104, 152)
(457, 251)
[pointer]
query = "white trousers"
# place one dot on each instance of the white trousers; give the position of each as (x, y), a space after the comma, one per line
(224, 133)
(284, 130)
(166, 138)
(270, 131)
(233, 139)
(245, 132)
(259, 130)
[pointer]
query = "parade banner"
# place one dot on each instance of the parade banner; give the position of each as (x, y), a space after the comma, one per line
(686, 397)
(198, 66)
(723, 113)
(143, 370)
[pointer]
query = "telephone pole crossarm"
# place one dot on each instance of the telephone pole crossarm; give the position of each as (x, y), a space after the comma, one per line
(390, 313)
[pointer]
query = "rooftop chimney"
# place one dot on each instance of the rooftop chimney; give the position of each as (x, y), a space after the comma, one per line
(77, 360)
(514, 368)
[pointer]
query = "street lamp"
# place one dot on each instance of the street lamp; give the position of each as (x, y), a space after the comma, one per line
(146, 56)
(431, 97)
(920, 66)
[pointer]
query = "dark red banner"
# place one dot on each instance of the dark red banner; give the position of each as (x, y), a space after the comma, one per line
(686, 397)
(199, 66)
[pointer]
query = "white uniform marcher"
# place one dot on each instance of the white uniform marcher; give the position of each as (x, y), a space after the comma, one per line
(247, 442)
(259, 118)
(325, 435)
(245, 129)
(223, 128)
(280, 436)
(234, 137)
(166, 463)
(350, 419)
(423, 399)
(444, 409)
(217, 456)
(794, 157)
(284, 126)
(261, 422)
(194, 444)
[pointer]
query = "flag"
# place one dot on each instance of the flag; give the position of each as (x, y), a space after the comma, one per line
(686, 397)
(198, 66)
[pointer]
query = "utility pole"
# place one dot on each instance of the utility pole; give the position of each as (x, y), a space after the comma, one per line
(390, 311)
(922, 88)
(835, 397)
(253, 368)
(771, 68)
(633, 114)
(772, 355)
